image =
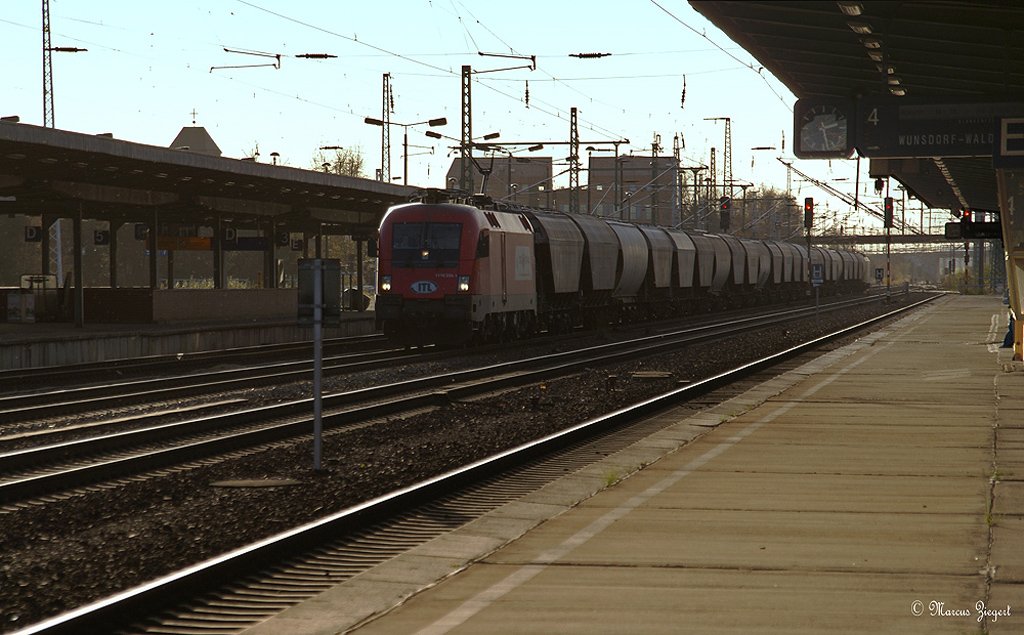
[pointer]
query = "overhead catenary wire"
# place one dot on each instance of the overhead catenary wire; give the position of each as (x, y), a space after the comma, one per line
(748, 65)
(444, 71)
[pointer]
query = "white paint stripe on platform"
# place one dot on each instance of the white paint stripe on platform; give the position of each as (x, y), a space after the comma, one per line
(993, 334)
(524, 574)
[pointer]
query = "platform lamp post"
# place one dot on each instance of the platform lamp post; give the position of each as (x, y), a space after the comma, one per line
(53, 248)
(440, 121)
(327, 166)
(319, 235)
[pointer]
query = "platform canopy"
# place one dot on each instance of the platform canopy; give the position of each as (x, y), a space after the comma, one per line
(59, 173)
(932, 91)
(882, 54)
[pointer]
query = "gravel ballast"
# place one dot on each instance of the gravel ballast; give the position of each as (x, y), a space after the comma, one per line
(64, 554)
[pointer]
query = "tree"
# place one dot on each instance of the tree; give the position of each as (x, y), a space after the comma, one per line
(770, 213)
(344, 161)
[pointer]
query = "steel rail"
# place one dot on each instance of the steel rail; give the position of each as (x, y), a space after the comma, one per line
(291, 418)
(165, 591)
(37, 405)
(171, 361)
(23, 407)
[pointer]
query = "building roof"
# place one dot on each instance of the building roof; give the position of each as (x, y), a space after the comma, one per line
(195, 139)
(48, 171)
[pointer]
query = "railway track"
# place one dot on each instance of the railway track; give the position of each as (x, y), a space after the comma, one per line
(28, 406)
(48, 469)
(113, 370)
(249, 584)
(42, 404)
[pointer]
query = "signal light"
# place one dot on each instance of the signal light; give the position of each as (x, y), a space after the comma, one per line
(808, 212)
(888, 216)
(724, 205)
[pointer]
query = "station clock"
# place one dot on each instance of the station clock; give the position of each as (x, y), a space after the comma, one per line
(823, 128)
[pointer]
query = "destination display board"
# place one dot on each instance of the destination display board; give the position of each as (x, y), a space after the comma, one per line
(895, 127)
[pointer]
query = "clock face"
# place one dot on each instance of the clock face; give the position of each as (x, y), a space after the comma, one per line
(823, 130)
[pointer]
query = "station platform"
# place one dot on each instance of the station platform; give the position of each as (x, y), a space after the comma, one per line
(43, 344)
(876, 489)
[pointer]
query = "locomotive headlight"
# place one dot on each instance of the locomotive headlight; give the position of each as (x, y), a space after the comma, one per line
(463, 283)
(385, 283)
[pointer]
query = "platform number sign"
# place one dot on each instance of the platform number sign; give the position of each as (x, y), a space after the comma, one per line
(817, 274)
(33, 233)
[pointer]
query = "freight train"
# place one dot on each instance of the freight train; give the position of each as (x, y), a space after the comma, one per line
(456, 269)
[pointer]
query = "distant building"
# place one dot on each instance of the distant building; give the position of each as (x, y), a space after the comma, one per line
(523, 180)
(649, 194)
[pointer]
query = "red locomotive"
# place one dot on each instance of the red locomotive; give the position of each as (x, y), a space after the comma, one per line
(449, 272)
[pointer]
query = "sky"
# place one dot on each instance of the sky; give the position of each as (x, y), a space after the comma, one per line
(148, 69)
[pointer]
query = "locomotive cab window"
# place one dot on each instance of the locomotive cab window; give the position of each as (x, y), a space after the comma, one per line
(425, 244)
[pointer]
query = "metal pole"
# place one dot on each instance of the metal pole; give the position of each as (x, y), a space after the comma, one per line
(405, 155)
(218, 256)
(590, 164)
(385, 131)
(359, 275)
(113, 227)
(809, 270)
(318, 358)
(466, 143)
(619, 185)
(79, 270)
(888, 264)
(618, 181)
(154, 245)
(574, 162)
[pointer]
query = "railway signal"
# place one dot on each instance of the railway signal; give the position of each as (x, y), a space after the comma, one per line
(724, 207)
(808, 212)
(973, 224)
(888, 207)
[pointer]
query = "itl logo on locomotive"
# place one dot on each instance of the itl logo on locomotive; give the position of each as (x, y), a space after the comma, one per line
(423, 286)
